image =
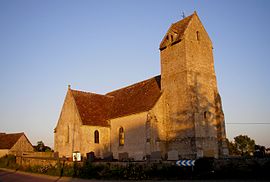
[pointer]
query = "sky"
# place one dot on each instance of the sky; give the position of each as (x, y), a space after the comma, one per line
(100, 46)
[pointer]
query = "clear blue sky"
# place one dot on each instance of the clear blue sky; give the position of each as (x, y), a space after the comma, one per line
(100, 46)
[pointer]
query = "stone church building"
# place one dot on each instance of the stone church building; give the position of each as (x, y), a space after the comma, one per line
(177, 112)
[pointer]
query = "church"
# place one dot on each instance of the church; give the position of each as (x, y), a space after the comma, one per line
(177, 113)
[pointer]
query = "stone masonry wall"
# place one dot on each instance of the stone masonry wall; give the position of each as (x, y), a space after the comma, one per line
(203, 88)
(134, 134)
(178, 116)
(67, 132)
(87, 140)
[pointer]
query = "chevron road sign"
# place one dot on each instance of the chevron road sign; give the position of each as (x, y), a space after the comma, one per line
(185, 163)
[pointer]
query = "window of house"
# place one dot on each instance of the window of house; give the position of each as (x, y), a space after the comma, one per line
(121, 136)
(96, 136)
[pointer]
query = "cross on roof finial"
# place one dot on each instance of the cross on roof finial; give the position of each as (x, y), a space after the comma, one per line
(183, 15)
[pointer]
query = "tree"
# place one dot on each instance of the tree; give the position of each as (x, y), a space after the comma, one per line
(232, 148)
(41, 147)
(244, 144)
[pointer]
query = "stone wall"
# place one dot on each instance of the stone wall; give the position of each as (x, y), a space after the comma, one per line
(178, 113)
(209, 118)
(201, 81)
(88, 144)
(38, 154)
(34, 161)
(67, 132)
(134, 135)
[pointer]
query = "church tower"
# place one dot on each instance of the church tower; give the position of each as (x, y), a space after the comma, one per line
(193, 115)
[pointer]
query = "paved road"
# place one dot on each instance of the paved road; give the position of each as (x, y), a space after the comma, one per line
(11, 175)
(18, 176)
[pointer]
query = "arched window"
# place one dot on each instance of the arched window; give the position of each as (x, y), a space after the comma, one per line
(121, 136)
(96, 136)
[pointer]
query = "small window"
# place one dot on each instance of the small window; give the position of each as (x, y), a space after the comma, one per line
(205, 115)
(96, 136)
(198, 35)
(171, 38)
(121, 136)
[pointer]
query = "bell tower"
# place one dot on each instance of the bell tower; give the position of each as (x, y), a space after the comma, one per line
(193, 115)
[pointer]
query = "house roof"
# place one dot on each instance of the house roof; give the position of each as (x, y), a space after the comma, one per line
(177, 31)
(96, 109)
(7, 141)
(135, 98)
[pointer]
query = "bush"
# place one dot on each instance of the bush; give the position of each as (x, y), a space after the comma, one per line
(204, 167)
(9, 161)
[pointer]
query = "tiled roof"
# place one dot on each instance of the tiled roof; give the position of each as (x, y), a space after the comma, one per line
(7, 141)
(135, 98)
(177, 31)
(94, 109)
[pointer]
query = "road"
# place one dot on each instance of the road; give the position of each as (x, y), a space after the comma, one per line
(7, 175)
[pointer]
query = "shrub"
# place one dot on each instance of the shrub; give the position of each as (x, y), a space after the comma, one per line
(204, 167)
(8, 161)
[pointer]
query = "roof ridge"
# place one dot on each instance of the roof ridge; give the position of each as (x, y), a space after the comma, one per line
(13, 133)
(90, 93)
(132, 85)
(186, 18)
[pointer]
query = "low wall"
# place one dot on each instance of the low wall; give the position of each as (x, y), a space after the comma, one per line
(37, 158)
(39, 154)
(32, 161)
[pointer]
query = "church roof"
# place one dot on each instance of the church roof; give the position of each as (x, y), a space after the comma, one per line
(177, 31)
(135, 98)
(96, 109)
(7, 141)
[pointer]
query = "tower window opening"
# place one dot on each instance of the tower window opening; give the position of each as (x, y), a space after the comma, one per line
(171, 38)
(205, 114)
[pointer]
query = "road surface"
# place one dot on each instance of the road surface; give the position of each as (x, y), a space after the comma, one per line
(7, 175)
